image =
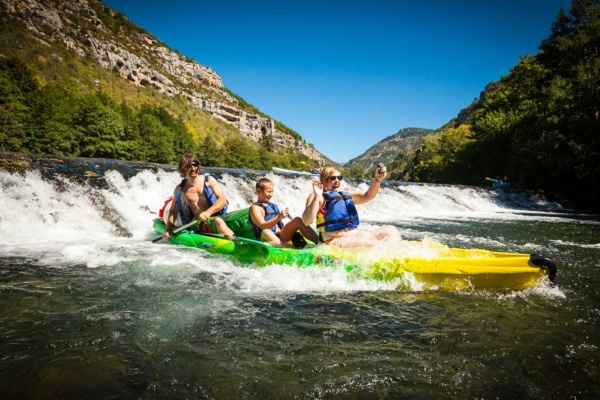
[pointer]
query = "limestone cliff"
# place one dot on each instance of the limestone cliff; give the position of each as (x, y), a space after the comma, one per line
(93, 29)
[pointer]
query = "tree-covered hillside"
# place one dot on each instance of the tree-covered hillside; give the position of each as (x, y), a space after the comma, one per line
(540, 124)
(63, 120)
(386, 151)
(56, 101)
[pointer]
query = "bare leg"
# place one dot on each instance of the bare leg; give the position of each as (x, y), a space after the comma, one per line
(296, 224)
(268, 235)
(222, 227)
(309, 233)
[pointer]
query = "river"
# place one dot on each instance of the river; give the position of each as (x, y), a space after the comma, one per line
(92, 309)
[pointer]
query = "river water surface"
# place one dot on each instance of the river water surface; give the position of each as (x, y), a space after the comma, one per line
(92, 309)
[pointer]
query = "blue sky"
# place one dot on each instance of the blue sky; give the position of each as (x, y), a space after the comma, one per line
(347, 74)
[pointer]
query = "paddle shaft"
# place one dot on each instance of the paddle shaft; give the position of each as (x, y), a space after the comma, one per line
(158, 239)
(235, 238)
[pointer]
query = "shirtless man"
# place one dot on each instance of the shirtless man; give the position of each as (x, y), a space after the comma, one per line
(193, 199)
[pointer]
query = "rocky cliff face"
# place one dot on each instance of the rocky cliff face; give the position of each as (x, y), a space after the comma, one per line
(388, 149)
(139, 57)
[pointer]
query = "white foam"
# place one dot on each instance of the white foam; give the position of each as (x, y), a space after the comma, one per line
(573, 244)
(33, 211)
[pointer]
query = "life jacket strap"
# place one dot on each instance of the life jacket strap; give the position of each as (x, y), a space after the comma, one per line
(337, 221)
(338, 197)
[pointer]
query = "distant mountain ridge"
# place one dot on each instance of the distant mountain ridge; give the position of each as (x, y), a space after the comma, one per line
(390, 148)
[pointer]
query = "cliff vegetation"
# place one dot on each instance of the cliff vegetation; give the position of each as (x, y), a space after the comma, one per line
(77, 78)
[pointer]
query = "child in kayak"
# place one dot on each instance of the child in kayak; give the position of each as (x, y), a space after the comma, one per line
(266, 219)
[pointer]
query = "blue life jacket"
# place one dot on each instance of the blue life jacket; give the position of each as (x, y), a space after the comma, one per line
(212, 198)
(183, 210)
(338, 212)
(271, 211)
(185, 213)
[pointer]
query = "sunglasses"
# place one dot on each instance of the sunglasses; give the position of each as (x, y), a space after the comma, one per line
(333, 178)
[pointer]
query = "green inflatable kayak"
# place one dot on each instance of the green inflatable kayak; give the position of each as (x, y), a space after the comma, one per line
(451, 268)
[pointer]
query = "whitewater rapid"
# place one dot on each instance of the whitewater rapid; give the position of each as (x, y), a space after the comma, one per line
(69, 212)
(65, 224)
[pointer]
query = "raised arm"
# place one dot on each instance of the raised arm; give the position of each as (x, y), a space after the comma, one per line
(364, 197)
(313, 204)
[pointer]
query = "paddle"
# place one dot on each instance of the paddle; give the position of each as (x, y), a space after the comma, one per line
(298, 240)
(158, 239)
(235, 238)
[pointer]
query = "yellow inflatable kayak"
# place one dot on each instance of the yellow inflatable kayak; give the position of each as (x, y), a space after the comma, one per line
(442, 268)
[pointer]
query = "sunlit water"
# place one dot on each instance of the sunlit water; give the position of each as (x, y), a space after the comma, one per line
(89, 312)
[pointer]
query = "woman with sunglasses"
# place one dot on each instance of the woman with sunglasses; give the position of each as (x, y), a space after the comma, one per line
(333, 209)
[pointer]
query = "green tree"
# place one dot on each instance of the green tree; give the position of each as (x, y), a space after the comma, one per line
(101, 126)
(265, 158)
(239, 154)
(17, 89)
(572, 54)
(157, 139)
(209, 153)
(183, 141)
(356, 171)
(443, 156)
(130, 147)
(541, 122)
(53, 128)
